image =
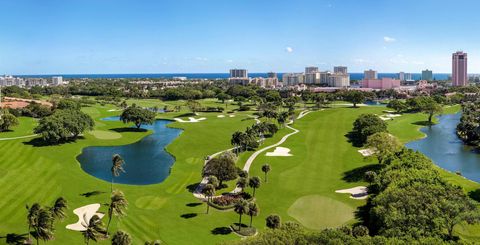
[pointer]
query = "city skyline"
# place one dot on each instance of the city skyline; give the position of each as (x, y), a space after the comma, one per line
(111, 37)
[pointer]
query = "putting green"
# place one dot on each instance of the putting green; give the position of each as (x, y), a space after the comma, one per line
(105, 135)
(318, 212)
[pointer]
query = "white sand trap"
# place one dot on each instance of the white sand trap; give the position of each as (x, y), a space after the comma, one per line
(385, 118)
(393, 115)
(221, 116)
(367, 152)
(231, 115)
(190, 120)
(84, 214)
(279, 152)
(387, 111)
(114, 110)
(359, 192)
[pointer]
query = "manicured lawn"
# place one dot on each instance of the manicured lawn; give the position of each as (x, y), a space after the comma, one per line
(301, 187)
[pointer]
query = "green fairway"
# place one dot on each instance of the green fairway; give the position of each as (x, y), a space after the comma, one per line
(300, 187)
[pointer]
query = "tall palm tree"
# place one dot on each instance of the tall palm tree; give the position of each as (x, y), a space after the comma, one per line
(241, 208)
(58, 209)
(44, 226)
(117, 167)
(118, 205)
(94, 229)
(266, 168)
(121, 238)
(32, 217)
(255, 183)
(208, 191)
(253, 210)
(242, 183)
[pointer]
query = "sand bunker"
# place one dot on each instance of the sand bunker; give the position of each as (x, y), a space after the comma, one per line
(389, 116)
(221, 116)
(84, 214)
(114, 110)
(231, 115)
(359, 192)
(279, 152)
(190, 120)
(367, 152)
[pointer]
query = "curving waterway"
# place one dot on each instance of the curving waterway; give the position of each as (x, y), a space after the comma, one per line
(146, 161)
(443, 146)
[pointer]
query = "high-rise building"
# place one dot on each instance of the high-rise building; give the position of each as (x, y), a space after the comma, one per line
(339, 80)
(459, 69)
(311, 69)
(381, 84)
(370, 74)
(290, 79)
(403, 76)
(340, 69)
(312, 78)
(239, 76)
(427, 75)
(57, 80)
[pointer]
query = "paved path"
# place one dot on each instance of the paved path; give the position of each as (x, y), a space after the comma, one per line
(19, 137)
(198, 192)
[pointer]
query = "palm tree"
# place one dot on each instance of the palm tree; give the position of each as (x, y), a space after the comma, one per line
(117, 206)
(241, 208)
(44, 225)
(13, 238)
(236, 140)
(117, 167)
(58, 209)
(121, 238)
(32, 217)
(208, 191)
(266, 168)
(242, 183)
(94, 230)
(253, 210)
(255, 183)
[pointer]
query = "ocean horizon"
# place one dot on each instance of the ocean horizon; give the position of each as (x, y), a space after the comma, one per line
(353, 76)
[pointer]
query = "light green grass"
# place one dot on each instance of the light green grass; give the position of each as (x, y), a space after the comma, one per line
(318, 212)
(168, 211)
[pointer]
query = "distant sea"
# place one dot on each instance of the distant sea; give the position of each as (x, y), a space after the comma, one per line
(353, 76)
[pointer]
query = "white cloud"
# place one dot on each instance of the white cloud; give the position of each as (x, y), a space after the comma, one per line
(229, 61)
(360, 61)
(289, 49)
(389, 39)
(201, 58)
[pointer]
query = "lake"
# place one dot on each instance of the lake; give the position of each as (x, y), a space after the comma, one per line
(443, 146)
(146, 161)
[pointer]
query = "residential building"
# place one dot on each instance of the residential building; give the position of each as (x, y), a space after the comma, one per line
(427, 75)
(269, 82)
(311, 69)
(312, 78)
(290, 79)
(340, 69)
(381, 84)
(239, 76)
(324, 77)
(32, 82)
(339, 80)
(459, 69)
(12, 81)
(57, 81)
(370, 74)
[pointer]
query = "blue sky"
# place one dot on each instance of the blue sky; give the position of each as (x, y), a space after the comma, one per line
(170, 36)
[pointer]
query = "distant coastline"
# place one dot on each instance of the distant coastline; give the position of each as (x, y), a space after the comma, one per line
(353, 76)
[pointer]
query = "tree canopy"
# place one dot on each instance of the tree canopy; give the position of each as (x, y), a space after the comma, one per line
(366, 125)
(64, 125)
(137, 115)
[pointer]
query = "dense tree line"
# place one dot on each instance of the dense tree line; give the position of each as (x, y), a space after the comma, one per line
(469, 127)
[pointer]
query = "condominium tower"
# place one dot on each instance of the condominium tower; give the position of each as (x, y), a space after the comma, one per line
(370, 74)
(459, 69)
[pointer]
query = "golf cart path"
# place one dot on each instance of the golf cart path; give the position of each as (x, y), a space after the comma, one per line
(19, 137)
(198, 191)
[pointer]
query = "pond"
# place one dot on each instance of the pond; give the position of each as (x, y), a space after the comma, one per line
(146, 161)
(443, 146)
